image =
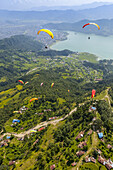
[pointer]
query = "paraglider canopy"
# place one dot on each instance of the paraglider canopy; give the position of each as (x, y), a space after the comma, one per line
(26, 82)
(33, 99)
(91, 24)
(21, 81)
(41, 84)
(47, 31)
(52, 84)
(93, 93)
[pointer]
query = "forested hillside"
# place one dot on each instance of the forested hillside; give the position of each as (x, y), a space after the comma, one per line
(62, 126)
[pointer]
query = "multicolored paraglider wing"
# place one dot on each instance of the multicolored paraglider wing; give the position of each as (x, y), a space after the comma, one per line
(92, 24)
(33, 99)
(52, 84)
(26, 82)
(21, 81)
(47, 31)
(93, 93)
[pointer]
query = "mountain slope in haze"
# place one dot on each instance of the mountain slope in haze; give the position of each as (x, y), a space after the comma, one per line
(102, 12)
(79, 7)
(106, 27)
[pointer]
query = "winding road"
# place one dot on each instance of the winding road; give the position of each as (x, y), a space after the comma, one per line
(53, 122)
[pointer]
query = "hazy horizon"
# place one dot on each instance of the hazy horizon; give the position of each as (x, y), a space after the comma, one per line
(30, 4)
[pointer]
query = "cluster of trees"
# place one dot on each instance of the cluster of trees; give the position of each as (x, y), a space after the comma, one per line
(64, 138)
(20, 42)
(106, 114)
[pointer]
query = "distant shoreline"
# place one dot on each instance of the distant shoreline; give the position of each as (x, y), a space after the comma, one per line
(100, 46)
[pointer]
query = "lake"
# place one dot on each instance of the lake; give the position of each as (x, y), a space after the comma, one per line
(99, 45)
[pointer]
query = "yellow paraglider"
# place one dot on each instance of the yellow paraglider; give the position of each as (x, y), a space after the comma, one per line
(47, 31)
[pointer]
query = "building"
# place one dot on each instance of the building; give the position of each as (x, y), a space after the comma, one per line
(74, 164)
(102, 160)
(100, 135)
(11, 163)
(87, 159)
(16, 121)
(99, 151)
(80, 135)
(82, 144)
(94, 119)
(108, 166)
(23, 108)
(93, 159)
(109, 146)
(52, 118)
(52, 167)
(89, 132)
(40, 113)
(90, 159)
(98, 79)
(92, 108)
(80, 153)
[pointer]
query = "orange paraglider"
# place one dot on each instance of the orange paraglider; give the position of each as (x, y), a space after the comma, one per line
(33, 99)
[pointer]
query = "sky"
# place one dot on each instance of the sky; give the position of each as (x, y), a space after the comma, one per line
(27, 4)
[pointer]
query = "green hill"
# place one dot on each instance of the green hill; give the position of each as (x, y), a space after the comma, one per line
(75, 124)
(20, 42)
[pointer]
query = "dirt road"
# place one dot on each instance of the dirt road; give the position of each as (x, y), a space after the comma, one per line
(54, 122)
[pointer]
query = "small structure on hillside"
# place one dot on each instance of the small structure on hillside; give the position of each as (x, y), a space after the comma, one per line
(80, 153)
(11, 163)
(92, 108)
(90, 159)
(94, 119)
(102, 160)
(52, 167)
(40, 113)
(47, 110)
(89, 132)
(108, 166)
(8, 137)
(100, 135)
(109, 146)
(16, 121)
(80, 135)
(73, 164)
(98, 79)
(52, 118)
(82, 144)
(23, 108)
